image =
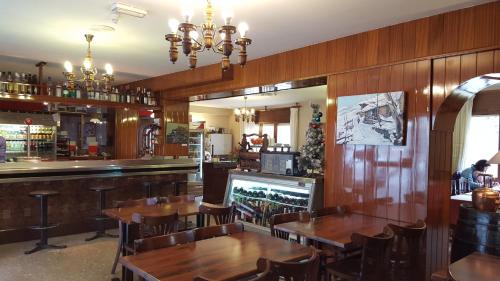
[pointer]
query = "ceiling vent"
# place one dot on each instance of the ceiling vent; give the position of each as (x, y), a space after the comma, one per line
(118, 9)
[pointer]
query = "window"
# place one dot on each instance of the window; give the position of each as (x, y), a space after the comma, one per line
(483, 140)
(283, 134)
(269, 130)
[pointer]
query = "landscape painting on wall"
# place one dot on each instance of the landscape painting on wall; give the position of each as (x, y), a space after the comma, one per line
(177, 133)
(374, 119)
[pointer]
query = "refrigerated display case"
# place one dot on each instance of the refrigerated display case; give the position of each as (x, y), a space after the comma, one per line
(258, 196)
(196, 152)
(42, 143)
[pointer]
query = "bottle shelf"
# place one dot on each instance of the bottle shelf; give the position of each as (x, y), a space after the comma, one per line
(74, 101)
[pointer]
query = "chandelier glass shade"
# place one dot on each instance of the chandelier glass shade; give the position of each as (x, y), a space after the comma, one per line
(244, 114)
(219, 40)
(89, 70)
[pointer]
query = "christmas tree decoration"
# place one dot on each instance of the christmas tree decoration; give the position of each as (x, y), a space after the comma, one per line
(311, 158)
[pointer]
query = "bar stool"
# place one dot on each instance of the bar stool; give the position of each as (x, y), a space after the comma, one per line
(100, 218)
(148, 186)
(43, 195)
(177, 187)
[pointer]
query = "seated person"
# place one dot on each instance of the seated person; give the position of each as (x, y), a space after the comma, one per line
(473, 174)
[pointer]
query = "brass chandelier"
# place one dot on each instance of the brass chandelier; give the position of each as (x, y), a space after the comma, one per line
(244, 114)
(188, 38)
(89, 70)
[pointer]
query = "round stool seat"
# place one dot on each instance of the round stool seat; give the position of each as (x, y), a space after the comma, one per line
(102, 188)
(41, 193)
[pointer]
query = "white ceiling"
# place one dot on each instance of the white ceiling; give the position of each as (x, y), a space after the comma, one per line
(258, 101)
(53, 30)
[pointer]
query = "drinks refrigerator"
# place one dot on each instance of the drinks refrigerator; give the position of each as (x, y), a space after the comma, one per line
(258, 196)
(196, 152)
(42, 141)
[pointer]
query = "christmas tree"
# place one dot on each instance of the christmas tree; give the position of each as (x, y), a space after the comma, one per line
(312, 156)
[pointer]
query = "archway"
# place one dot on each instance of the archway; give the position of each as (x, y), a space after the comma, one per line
(440, 167)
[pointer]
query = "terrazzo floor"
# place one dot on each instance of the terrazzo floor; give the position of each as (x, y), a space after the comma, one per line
(80, 261)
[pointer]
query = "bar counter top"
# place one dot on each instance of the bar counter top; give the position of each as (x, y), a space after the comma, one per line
(32, 170)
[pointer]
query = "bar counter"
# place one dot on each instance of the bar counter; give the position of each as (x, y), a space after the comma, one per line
(76, 204)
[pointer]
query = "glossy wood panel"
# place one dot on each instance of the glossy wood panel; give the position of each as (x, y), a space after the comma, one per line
(126, 134)
(175, 112)
(384, 181)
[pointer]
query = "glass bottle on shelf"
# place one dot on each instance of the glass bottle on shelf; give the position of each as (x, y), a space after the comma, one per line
(33, 85)
(90, 93)
(3, 82)
(127, 95)
(58, 90)
(78, 92)
(97, 92)
(10, 83)
(138, 95)
(50, 86)
(132, 96)
(65, 90)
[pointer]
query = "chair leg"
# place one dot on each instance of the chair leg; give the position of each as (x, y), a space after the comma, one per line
(118, 250)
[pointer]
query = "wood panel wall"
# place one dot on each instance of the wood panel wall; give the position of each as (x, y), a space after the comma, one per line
(383, 181)
(126, 134)
(448, 73)
(175, 112)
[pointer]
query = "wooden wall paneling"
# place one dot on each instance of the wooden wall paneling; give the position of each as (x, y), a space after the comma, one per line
(176, 112)
(436, 34)
(384, 46)
(422, 41)
(331, 166)
(362, 48)
(496, 63)
(360, 196)
(126, 131)
(468, 67)
(396, 39)
(438, 84)
(452, 75)
(485, 61)
(410, 40)
(339, 61)
(319, 54)
(451, 30)
(484, 27)
(351, 52)
(496, 8)
(466, 30)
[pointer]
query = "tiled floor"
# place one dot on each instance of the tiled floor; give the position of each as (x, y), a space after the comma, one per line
(81, 261)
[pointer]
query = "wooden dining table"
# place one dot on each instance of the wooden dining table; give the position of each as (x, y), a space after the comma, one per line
(476, 267)
(221, 258)
(336, 230)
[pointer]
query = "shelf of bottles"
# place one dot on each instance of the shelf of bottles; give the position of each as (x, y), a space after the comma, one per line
(42, 139)
(24, 87)
(259, 197)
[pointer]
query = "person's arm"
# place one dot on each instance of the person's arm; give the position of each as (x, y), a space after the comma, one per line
(470, 177)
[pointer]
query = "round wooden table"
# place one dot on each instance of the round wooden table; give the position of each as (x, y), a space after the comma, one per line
(476, 267)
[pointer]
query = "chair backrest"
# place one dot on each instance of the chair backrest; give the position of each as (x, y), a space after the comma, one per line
(264, 275)
(306, 270)
(336, 210)
(163, 241)
(181, 198)
(156, 225)
(284, 218)
(407, 250)
(221, 215)
(375, 255)
(217, 230)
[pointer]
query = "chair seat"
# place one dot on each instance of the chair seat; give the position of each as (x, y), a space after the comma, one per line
(40, 193)
(349, 268)
(102, 188)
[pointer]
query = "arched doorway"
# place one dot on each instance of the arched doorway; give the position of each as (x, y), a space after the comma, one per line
(440, 166)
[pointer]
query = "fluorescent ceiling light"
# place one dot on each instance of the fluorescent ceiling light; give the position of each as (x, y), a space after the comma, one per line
(126, 9)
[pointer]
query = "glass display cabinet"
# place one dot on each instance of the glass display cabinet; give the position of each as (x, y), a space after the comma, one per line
(259, 196)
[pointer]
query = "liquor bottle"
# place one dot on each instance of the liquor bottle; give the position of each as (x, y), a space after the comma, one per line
(90, 93)
(127, 95)
(3, 82)
(78, 92)
(138, 95)
(49, 86)
(97, 92)
(58, 90)
(27, 83)
(132, 97)
(145, 97)
(10, 83)
(17, 81)
(65, 90)
(34, 84)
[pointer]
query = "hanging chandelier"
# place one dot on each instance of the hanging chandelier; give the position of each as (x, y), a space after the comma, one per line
(191, 46)
(244, 114)
(89, 70)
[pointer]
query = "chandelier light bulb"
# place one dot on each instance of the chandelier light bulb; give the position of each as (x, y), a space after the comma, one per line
(243, 29)
(109, 69)
(187, 14)
(173, 24)
(252, 111)
(87, 63)
(68, 66)
(222, 36)
(227, 16)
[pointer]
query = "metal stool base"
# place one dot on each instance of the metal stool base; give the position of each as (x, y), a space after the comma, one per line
(101, 235)
(40, 247)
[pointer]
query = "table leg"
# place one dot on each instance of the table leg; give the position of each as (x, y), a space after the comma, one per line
(127, 275)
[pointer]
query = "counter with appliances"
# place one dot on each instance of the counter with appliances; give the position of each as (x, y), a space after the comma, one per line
(76, 203)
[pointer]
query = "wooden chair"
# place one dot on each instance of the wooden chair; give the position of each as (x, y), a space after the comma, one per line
(128, 204)
(307, 270)
(221, 215)
(217, 230)
(328, 211)
(150, 226)
(373, 265)
(181, 198)
(284, 218)
(263, 268)
(163, 241)
(406, 251)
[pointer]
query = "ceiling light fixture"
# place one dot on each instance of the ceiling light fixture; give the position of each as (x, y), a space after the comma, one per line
(88, 70)
(244, 114)
(118, 9)
(189, 37)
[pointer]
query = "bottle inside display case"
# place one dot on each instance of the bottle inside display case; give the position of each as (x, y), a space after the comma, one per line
(259, 196)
